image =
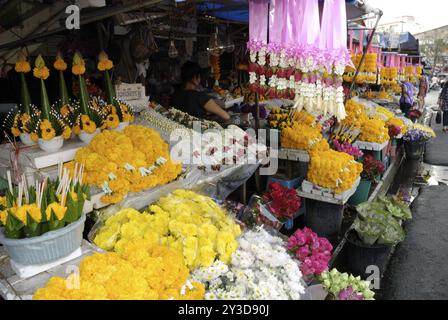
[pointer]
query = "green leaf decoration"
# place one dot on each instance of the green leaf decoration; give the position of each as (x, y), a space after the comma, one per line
(63, 91)
(72, 210)
(77, 58)
(14, 227)
(44, 101)
(40, 62)
(25, 98)
(10, 199)
(32, 228)
(54, 223)
(84, 96)
(110, 92)
(32, 193)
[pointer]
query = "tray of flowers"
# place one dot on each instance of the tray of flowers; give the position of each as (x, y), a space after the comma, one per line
(372, 146)
(310, 188)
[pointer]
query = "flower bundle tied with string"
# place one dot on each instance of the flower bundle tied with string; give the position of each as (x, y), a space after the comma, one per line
(49, 124)
(119, 114)
(91, 118)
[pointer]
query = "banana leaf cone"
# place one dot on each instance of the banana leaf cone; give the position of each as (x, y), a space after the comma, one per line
(111, 94)
(32, 228)
(54, 223)
(84, 96)
(14, 227)
(63, 92)
(44, 101)
(25, 98)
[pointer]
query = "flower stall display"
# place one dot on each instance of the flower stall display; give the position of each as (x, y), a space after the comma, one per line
(260, 269)
(356, 115)
(342, 286)
(119, 113)
(130, 161)
(91, 118)
(397, 123)
(33, 211)
(142, 271)
(191, 224)
(313, 252)
(334, 170)
(50, 128)
(375, 131)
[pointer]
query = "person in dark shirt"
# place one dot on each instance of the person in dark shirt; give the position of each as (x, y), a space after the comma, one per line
(192, 101)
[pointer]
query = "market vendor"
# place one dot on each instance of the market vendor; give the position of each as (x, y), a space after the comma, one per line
(192, 101)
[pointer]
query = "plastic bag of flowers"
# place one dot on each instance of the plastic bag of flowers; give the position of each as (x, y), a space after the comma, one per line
(190, 223)
(260, 269)
(141, 271)
(342, 286)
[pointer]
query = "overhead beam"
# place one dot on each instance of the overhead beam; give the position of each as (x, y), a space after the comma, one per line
(99, 14)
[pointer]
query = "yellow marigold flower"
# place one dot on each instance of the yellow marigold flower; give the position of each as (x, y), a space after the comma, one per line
(88, 125)
(45, 124)
(112, 121)
(3, 216)
(15, 131)
(22, 67)
(58, 210)
(34, 136)
(60, 64)
(67, 133)
(25, 118)
(76, 129)
(65, 111)
(41, 73)
(78, 70)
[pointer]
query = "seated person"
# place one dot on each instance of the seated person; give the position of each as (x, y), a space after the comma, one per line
(188, 99)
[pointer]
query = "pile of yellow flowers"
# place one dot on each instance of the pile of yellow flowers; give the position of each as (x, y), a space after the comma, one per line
(385, 112)
(374, 130)
(356, 115)
(300, 136)
(370, 63)
(389, 76)
(130, 161)
(191, 224)
(141, 272)
(397, 123)
(334, 170)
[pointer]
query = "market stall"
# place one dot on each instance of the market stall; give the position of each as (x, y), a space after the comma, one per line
(111, 193)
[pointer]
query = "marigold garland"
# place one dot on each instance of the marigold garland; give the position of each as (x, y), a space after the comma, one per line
(374, 130)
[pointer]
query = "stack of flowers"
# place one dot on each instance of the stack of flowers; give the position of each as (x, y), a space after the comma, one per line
(389, 76)
(119, 113)
(301, 136)
(192, 224)
(313, 252)
(342, 286)
(282, 202)
(261, 269)
(130, 161)
(279, 119)
(347, 148)
(374, 130)
(141, 272)
(385, 113)
(337, 171)
(91, 118)
(32, 211)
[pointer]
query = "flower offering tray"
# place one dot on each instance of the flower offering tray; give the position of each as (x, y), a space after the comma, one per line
(311, 191)
(35, 157)
(362, 145)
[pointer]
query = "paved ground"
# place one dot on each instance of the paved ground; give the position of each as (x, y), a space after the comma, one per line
(418, 269)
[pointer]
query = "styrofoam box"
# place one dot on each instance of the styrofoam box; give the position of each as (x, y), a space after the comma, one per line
(370, 145)
(310, 188)
(35, 157)
(298, 155)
